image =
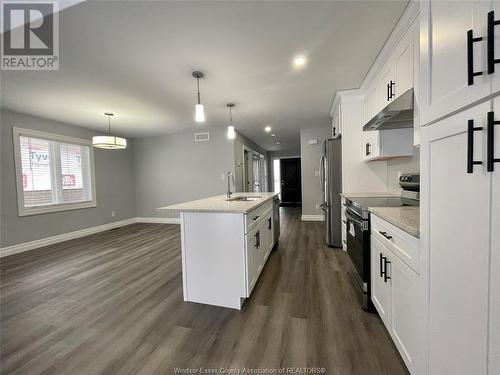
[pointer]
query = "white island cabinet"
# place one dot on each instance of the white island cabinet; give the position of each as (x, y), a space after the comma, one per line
(225, 245)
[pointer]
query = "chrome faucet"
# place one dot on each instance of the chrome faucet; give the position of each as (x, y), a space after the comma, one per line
(230, 178)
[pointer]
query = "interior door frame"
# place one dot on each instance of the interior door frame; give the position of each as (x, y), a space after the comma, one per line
(244, 172)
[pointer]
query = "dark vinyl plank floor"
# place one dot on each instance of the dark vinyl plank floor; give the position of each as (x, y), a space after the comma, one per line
(111, 303)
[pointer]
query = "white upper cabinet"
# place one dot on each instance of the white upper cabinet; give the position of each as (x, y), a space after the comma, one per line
(386, 85)
(337, 121)
(450, 65)
(404, 63)
(495, 35)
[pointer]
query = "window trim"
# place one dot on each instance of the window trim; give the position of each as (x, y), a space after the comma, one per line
(27, 211)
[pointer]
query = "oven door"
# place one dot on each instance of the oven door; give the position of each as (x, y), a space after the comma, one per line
(358, 251)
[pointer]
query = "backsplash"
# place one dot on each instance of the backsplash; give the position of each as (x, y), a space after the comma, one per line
(403, 165)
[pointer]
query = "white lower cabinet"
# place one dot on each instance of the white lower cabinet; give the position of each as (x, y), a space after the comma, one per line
(258, 243)
(252, 253)
(458, 211)
(404, 308)
(380, 287)
(395, 294)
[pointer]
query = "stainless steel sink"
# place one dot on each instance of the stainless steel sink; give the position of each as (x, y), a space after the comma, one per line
(243, 199)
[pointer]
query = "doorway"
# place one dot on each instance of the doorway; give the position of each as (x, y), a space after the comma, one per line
(254, 171)
(290, 181)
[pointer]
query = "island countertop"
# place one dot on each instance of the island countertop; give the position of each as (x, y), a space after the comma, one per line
(220, 204)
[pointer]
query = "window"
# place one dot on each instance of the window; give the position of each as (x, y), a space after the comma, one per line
(54, 173)
(276, 175)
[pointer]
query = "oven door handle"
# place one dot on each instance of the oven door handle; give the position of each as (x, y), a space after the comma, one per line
(355, 221)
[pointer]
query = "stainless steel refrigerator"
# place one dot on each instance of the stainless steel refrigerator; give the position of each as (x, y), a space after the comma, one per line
(331, 187)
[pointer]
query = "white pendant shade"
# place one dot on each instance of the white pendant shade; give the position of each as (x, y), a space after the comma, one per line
(231, 134)
(199, 113)
(109, 142)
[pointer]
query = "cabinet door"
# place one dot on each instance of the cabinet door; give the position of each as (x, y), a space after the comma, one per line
(455, 220)
(387, 79)
(443, 56)
(403, 63)
(371, 144)
(338, 120)
(404, 324)
(379, 287)
(494, 346)
(270, 233)
(251, 240)
(495, 77)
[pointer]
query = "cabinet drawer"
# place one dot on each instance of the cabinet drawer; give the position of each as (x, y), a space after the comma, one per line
(253, 217)
(402, 244)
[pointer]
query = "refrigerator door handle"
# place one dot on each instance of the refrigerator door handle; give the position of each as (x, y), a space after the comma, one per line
(322, 172)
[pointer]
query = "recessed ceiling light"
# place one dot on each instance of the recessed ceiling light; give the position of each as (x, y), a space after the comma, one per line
(299, 61)
(267, 129)
(278, 143)
(273, 135)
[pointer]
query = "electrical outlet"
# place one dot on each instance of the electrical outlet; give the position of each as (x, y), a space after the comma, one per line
(222, 176)
(316, 173)
(113, 213)
(317, 206)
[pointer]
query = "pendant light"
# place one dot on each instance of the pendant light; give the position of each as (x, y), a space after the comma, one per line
(199, 113)
(231, 134)
(109, 141)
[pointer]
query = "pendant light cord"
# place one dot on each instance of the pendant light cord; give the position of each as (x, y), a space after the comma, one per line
(198, 84)
(230, 116)
(109, 124)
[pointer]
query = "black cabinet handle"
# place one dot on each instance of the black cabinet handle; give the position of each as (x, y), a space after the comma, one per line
(367, 149)
(257, 239)
(386, 262)
(381, 266)
(391, 90)
(385, 235)
(470, 146)
(344, 221)
(491, 42)
(388, 92)
(255, 218)
(470, 58)
(490, 142)
(269, 225)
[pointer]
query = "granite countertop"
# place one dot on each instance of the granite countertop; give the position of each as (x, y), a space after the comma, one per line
(406, 218)
(369, 195)
(220, 204)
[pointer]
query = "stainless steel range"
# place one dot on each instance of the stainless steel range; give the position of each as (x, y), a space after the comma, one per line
(358, 230)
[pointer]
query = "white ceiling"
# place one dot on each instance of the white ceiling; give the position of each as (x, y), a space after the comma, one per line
(136, 58)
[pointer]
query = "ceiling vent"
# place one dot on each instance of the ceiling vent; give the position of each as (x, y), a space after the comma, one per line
(200, 137)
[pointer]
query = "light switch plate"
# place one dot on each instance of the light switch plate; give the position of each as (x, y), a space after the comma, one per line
(313, 141)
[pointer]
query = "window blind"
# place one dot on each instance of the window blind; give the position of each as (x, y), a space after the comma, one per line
(54, 173)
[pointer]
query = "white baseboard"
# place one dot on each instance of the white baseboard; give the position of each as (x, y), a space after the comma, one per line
(312, 218)
(158, 220)
(26, 246)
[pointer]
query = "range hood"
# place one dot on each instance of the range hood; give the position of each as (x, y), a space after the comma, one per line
(398, 114)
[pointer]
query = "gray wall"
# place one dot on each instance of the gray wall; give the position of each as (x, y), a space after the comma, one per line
(174, 168)
(239, 142)
(113, 169)
(310, 155)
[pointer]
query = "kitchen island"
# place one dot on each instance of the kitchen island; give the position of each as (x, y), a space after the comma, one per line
(225, 244)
